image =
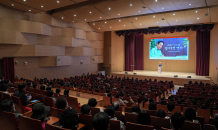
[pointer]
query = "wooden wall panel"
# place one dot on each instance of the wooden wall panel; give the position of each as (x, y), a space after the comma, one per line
(100, 36)
(64, 60)
(91, 35)
(41, 18)
(80, 42)
(82, 26)
(79, 51)
(97, 44)
(99, 51)
(107, 45)
(61, 41)
(47, 61)
(97, 59)
(7, 37)
(41, 50)
(26, 38)
(43, 40)
(56, 31)
(32, 62)
(80, 34)
(59, 23)
(69, 32)
(85, 60)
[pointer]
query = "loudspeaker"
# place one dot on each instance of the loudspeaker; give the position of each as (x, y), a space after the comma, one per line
(175, 76)
(126, 72)
(135, 73)
(189, 77)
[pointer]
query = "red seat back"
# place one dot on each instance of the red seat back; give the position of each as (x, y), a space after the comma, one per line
(114, 125)
(129, 117)
(52, 127)
(8, 121)
(49, 102)
(133, 126)
(94, 111)
(73, 102)
(160, 122)
(87, 120)
(26, 123)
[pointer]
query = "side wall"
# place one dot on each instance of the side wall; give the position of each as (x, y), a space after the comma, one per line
(214, 54)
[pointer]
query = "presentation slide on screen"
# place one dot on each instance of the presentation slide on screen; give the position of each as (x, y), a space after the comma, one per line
(169, 48)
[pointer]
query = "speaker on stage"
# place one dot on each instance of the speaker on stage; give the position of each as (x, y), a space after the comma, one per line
(189, 77)
(126, 72)
(176, 76)
(135, 73)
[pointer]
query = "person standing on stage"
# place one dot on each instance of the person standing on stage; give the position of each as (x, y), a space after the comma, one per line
(156, 51)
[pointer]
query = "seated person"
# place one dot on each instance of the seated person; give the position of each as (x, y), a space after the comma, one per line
(93, 102)
(135, 109)
(50, 93)
(66, 92)
(35, 85)
(29, 84)
(177, 121)
(161, 113)
(48, 88)
(151, 100)
(61, 103)
(163, 102)
(42, 87)
(152, 106)
(190, 115)
(69, 119)
(131, 101)
(111, 112)
(144, 118)
(58, 90)
(170, 107)
(8, 106)
(100, 121)
(40, 112)
(116, 106)
(215, 121)
(4, 88)
(85, 109)
(120, 100)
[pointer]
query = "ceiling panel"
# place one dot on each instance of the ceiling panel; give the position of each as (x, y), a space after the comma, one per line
(148, 21)
(117, 24)
(176, 18)
(78, 1)
(19, 6)
(186, 4)
(62, 17)
(97, 26)
(47, 4)
(86, 14)
(123, 8)
(194, 17)
(213, 14)
(212, 2)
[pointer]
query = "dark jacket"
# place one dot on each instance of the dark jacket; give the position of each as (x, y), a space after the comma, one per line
(22, 96)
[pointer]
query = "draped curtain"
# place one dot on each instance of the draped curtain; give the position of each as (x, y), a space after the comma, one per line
(8, 64)
(139, 58)
(129, 52)
(202, 52)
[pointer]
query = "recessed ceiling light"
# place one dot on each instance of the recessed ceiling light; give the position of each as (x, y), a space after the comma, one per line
(29, 10)
(90, 12)
(153, 16)
(110, 27)
(58, 2)
(176, 20)
(174, 14)
(196, 11)
(42, 6)
(100, 17)
(85, 19)
(130, 5)
(93, 23)
(74, 15)
(139, 11)
(124, 25)
(24, 0)
(155, 0)
(109, 8)
(198, 18)
(162, 7)
(99, 28)
(140, 24)
(118, 14)
(62, 17)
(73, 21)
(105, 22)
(12, 4)
(157, 22)
(190, 4)
(135, 18)
(119, 20)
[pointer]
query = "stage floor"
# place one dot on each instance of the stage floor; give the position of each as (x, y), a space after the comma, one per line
(180, 80)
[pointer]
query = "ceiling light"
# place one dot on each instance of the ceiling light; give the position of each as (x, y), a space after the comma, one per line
(119, 20)
(124, 25)
(24, 0)
(105, 22)
(196, 11)
(118, 14)
(135, 18)
(99, 28)
(139, 11)
(74, 15)
(58, 2)
(198, 18)
(62, 17)
(29, 10)
(130, 5)
(190, 4)
(73, 21)
(162, 7)
(174, 14)
(42, 6)
(176, 20)
(93, 23)
(85, 19)
(110, 27)
(155, 0)
(12, 4)
(90, 12)
(109, 8)
(157, 22)
(100, 17)
(140, 24)
(153, 16)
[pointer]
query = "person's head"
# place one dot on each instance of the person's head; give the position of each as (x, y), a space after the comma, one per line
(110, 111)
(48, 88)
(49, 93)
(179, 102)
(58, 90)
(28, 84)
(177, 120)
(7, 105)
(66, 92)
(69, 119)
(34, 85)
(40, 111)
(215, 121)
(160, 44)
(61, 103)
(4, 87)
(152, 106)
(190, 114)
(22, 87)
(194, 102)
(170, 107)
(144, 118)
(151, 100)
(116, 105)
(92, 102)
(109, 94)
(163, 102)
(42, 87)
(136, 109)
(100, 121)
(161, 113)
(203, 107)
(85, 109)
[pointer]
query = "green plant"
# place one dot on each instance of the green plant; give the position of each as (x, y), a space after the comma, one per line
(153, 43)
(185, 42)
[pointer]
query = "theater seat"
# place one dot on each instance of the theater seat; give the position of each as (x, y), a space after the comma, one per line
(133, 126)
(114, 125)
(209, 127)
(86, 120)
(129, 117)
(52, 127)
(55, 112)
(106, 101)
(160, 122)
(26, 123)
(8, 121)
(73, 102)
(191, 126)
(94, 111)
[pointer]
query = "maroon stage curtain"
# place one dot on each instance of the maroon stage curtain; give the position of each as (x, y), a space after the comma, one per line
(202, 53)
(139, 58)
(129, 52)
(9, 68)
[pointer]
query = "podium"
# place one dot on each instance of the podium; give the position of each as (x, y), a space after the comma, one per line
(159, 69)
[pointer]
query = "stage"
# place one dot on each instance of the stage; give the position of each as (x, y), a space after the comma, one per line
(169, 76)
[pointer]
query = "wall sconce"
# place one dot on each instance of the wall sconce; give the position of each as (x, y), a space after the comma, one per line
(25, 63)
(81, 62)
(16, 62)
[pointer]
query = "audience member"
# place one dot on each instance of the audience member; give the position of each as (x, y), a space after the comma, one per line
(42, 87)
(85, 109)
(61, 103)
(170, 107)
(177, 120)
(135, 109)
(152, 106)
(35, 85)
(58, 90)
(151, 100)
(100, 121)
(161, 113)
(215, 121)
(121, 101)
(163, 102)
(69, 119)
(50, 93)
(144, 118)
(190, 115)
(4, 88)
(116, 106)
(93, 102)
(48, 88)
(66, 92)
